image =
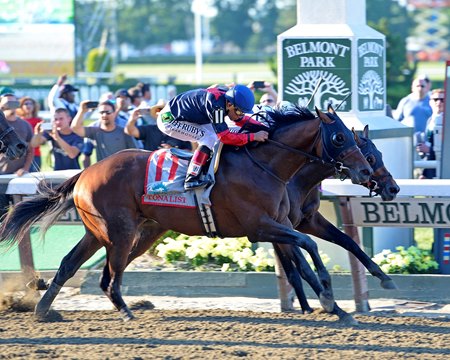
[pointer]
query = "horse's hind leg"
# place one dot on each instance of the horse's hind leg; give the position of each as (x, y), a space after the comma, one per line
(85, 248)
(286, 258)
(149, 232)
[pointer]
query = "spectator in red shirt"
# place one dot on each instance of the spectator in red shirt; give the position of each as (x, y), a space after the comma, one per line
(28, 111)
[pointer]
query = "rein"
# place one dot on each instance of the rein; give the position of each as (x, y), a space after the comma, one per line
(339, 166)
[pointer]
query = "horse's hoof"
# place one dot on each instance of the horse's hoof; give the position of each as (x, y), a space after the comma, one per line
(50, 316)
(308, 311)
(348, 320)
(388, 284)
(126, 314)
(327, 302)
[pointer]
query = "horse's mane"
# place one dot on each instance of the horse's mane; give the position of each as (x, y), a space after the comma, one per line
(283, 114)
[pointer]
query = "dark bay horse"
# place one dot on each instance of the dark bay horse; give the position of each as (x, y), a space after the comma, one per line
(306, 218)
(249, 198)
(10, 144)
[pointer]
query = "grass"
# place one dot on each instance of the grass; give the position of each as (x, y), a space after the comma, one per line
(186, 73)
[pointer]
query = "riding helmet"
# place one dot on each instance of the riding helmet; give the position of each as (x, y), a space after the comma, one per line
(241, 97)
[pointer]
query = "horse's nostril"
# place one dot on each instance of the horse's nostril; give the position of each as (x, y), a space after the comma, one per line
(366, 172)
(394, 190)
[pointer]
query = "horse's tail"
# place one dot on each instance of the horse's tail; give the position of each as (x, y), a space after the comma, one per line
(47, 206)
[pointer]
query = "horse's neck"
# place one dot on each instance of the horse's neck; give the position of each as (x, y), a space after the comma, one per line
(308, 178)
(286, 162)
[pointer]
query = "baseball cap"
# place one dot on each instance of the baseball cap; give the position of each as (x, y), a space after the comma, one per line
(68, 88)
(4, 90)
(122, 92)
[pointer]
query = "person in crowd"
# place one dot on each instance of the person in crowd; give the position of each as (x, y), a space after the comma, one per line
(426, 149)
(150, 135)
(28, 111)
(9, 105)
(146, 92)
(135, 94)
(109, 137)
(199, 116)
(414, 110)
(62, 95)
(270, 95)
(65, 144)
(123, 104)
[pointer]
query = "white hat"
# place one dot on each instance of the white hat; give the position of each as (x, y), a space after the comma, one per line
(155, 109)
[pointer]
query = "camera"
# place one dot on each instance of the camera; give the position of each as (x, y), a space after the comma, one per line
(258, 84)
(47, 126)
(92, 104)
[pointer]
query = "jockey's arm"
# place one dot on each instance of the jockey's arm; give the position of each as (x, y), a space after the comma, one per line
(239, 139)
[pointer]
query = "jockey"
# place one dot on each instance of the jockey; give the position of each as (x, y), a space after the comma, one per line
(199, 116)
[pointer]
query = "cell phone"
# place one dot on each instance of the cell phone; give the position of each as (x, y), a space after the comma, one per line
(258, 84)
(47, 126)
(92, 104)
(12, 104)
(144, 111)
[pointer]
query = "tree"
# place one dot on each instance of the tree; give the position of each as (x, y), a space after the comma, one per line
(145, 22)
(304, 85)
(371, 85)
(394, 21)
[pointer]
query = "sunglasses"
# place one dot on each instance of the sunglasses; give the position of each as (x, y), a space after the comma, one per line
(105, 112)
(238, 111)
(438, 99)
(270, 101)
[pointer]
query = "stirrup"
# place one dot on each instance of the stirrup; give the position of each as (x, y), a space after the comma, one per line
(196, 183)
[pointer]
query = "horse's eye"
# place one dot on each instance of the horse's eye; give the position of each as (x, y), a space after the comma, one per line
(338, 139)
(371, 159)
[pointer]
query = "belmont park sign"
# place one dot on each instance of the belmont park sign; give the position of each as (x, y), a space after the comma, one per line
(306, 60)
(407, 212)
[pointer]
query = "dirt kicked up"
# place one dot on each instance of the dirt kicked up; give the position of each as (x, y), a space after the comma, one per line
(220, 334)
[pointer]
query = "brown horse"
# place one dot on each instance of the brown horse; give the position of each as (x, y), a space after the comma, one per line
(10, 144)
(306, 218)
(249, 198)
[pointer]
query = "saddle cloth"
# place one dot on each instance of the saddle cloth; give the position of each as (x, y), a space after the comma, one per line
(164, 180)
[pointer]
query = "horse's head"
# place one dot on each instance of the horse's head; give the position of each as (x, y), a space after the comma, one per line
(339, 146)
(381, 182)
(10, 143)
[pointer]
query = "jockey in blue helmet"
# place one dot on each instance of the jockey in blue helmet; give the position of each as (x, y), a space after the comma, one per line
(199, 116)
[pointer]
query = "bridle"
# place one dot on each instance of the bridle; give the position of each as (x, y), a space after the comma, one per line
(338, 164)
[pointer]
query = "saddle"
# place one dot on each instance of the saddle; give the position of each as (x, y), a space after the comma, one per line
(164, 183)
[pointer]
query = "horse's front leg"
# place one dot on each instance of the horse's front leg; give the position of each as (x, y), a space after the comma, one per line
(271, 231)
(322, 228)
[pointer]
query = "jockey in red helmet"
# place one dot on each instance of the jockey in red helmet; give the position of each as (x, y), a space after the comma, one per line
(199, 116)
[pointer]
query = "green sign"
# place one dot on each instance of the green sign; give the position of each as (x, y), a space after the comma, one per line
(306, 61)
(371, 80)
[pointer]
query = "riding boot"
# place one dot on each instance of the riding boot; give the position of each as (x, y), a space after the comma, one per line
(194, 172)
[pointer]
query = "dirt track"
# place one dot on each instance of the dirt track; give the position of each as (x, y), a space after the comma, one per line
(221, 334)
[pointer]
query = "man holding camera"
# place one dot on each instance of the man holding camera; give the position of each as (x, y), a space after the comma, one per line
(9, 104)
(65, 144)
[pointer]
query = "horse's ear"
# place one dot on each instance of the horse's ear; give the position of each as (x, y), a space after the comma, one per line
(323, 116)
(331, 110)
(366, 131)
(356, 137)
